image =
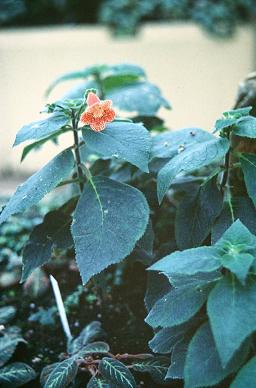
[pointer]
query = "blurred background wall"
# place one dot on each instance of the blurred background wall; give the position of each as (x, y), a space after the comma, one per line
(197, 72)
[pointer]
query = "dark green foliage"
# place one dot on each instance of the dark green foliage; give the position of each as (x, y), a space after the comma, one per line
(219, 18)
(39, 184)
(103, 232)
(124, 17)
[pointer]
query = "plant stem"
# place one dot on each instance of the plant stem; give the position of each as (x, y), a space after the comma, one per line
(77, 152)
(226, 171)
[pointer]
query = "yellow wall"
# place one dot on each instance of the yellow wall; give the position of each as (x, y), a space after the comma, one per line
(197, 73)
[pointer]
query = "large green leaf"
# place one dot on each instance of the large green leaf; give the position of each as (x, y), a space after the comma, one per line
(42, 128)
(193, 158)
(197, 213)
(246, 127)
(117, 373)
(109, 219)
(248, 164)
(39, 184)
(54, 231)
(141, 97)
(16, 374)
(189, 262)
(246, 377)
(232, 311)
(128, 141)
(203, 367)
(168, 144)
(6, 314)
(62, 375)
(156, 366)
(177, 307)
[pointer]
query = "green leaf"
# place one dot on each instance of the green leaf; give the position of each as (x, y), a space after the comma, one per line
(231, 309)
(224, 123)
(193, 158)
(6, 314)
(196, 214)
(46, 372)
(246, 377)
(165, 339)
(8, 344)
(239, 264)
(122, 69)
(36, 145)
(42, 128)
(54, 231)
(199, 279)
(72, 75)
(203, 367)
(168, 144)
(94, 348)
(177, 307)
(246, 127)
(107, 73)
(117, 373)
(156, 366)
(178, 358)
(237, 239)
(91, 332)
(248, 164)
(237, 113)
(39, 184)
(141, 97)
(189, 262)
(16, 374)
(109, 219)
(98, 382)
(121, 140)
(63, 374)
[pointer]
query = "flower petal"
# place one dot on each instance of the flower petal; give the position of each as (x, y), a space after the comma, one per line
(92, 99)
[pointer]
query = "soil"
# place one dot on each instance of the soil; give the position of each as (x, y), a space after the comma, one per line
(120, 309)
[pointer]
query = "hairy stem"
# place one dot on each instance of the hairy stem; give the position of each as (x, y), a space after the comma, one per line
(224, 179)
(77, 152)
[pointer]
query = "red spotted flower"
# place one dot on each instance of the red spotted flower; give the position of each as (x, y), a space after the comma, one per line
(98, 113)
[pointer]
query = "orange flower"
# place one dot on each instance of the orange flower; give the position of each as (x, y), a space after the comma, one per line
(98, 113)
